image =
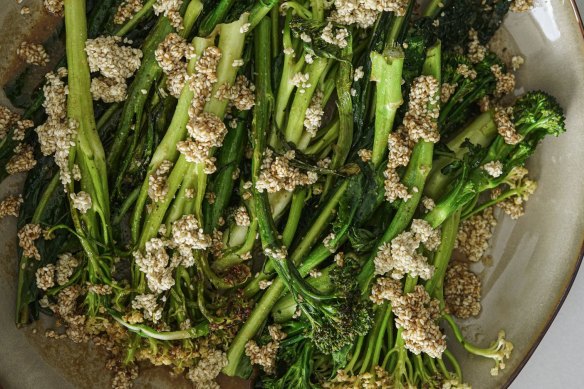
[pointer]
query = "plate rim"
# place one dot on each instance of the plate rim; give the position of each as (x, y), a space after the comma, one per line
(577, 264)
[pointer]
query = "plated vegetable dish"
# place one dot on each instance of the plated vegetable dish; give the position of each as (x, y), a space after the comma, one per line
(294, 193)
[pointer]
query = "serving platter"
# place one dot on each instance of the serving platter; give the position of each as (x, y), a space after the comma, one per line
(533, 260)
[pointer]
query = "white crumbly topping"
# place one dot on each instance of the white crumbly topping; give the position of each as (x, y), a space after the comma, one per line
(187, 235)
(505, 81)
(401, 256)
(66, 265)
(155, 261)
(27, 235)
(22, 160)
(10, 206)
(385, 289)
(241, 217)
(265, 284)
(309, 58)
(241, 94)
(7, 120)
(494, 168)
(56, 7)
(57, 135)
(279, 253)
(305, 37)
(32, 53)
(516, 62)
(107, 55)
(126, 10)
(99, 289)
(170, 9)
(170, 53)
(474, 234)
(277, 173)
(428, 203)
(454, 384)
(207, 368)
(314, 113)
(359, 74)
(447, 90)
(423, 110)
(265, 356)
(157, 182)
(156, 264)
(204, 77)
(81, 201)
(466, 72)
(416, 313)
(505, 125)
(315, 273)
(288, 51)
(207, 131)
(462, 291)
(381, 378)
(335, 35)
(364, 13)
(149, 306)
(109, 90)
(476, 51)
(245, 28)
(484, 103)
(329, 242)
(76, 172)
(517, 179)
(365, 155)
(301, 81)
(420, 123)
(521, 5)
(21, 128)
(45, 277)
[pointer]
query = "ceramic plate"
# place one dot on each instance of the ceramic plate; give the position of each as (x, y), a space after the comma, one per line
(534, 260)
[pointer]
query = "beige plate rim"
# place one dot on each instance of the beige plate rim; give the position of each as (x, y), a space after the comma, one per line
(574, 273)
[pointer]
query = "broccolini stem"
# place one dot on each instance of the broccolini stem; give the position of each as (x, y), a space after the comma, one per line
(480, 131)
(260, 9)
(261, 119)
(126, 206)
(307, 241)
(375, 339)
(294, 214)
(301, 101)
(344, 80)
(415, 177)
(166, 150)
(228, 160)
(145, 78)
(317, 8)
(26, 267)
(433, 7)
(197, 331)
(490, 203)
(386, 71)
(215, 17)
(435, 285)
(80, 108)
(137, 18)
(235, 257)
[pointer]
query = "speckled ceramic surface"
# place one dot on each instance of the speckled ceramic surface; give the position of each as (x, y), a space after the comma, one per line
(534, 259)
